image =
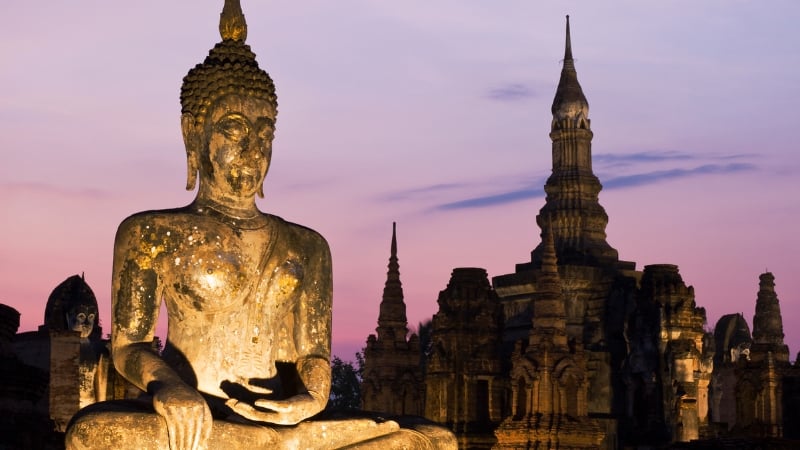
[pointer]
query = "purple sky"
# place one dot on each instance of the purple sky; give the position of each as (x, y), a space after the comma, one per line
(432, 114)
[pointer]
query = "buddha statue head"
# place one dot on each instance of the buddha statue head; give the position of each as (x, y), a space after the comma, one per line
(81, 318)
(228, 107)
(73, 306)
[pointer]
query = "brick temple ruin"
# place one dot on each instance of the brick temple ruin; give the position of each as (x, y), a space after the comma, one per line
(49, 374)
(576, 348)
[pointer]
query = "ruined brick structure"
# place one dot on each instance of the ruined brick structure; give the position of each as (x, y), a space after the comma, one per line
(70, 360)
(392, 373)
(51, 373)
(464, 382)
(549, 385)
(732, 341)
(760, 377)
(578, 349)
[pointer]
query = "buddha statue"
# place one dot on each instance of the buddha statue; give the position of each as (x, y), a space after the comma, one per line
(93, 356)
(81, 319)
(75, 336)
(248, 295)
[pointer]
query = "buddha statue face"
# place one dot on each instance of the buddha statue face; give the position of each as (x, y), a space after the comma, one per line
(81, 319)
(232, 146)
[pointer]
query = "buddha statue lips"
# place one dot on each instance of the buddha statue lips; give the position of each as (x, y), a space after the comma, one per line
(244, 179)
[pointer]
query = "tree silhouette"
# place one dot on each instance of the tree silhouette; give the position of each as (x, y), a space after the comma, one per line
(424, 332)
(346, 383)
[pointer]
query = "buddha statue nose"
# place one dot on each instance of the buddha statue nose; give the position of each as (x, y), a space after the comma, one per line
(250, 147)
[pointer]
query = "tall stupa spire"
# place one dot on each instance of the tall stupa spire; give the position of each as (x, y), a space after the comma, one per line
(549, 311)
(568, 45)
(393, 251)
(392, 373)
(570, 108)
(768, 323)
(392, 320)
(572, 208)
(549, 257)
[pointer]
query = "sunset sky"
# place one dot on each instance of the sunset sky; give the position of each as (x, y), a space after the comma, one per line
(433, 114)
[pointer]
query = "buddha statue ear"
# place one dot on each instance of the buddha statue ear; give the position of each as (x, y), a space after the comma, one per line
(192, 141)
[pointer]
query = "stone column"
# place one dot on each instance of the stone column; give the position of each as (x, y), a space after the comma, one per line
(65, 349)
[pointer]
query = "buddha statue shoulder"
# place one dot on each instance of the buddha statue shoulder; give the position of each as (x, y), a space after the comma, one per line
(248, 295)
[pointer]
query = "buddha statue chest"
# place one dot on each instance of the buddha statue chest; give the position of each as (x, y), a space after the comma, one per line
(210, 267)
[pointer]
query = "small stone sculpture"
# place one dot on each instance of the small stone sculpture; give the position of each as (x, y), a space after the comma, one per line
(78, 361)
(248, 295)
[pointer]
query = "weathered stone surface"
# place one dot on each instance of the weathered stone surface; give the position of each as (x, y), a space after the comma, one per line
(247, 359)
(767, 322)
(108, 425)
(392, 381)
(760, 376)
(68, 349)
(463, 379)
(588, 351)
(572, 208)
(22, 386)
(733, 341)
(549, 383)
(65, 392)
(78, 362)
(24, 421)
(72, 305)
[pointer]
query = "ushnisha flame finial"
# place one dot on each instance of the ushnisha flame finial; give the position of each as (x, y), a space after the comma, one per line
(232, 25)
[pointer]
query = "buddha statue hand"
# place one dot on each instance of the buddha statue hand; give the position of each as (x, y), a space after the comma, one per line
(186, 414)
(280, 412)
(313, 374)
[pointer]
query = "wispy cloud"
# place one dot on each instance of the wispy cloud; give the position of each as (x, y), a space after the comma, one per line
(639, 172)
(619, 182)
(737, 156)
(491, 200)
(511, 92)
(642, 157)
(35, 188)
(422, 191)
(657, 156)
(662, 175)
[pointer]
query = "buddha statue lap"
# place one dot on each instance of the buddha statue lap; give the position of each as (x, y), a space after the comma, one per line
(248, 296)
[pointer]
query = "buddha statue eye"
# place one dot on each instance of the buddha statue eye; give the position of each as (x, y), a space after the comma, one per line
(265, 129)
(233, 127)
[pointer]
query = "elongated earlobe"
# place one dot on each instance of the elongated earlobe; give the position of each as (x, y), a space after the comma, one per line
(191, 173)
(191, 140)
(268, 156)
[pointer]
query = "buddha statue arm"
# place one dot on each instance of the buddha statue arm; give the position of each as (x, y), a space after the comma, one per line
(135, 302)
(312, 335)
(101, 379)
